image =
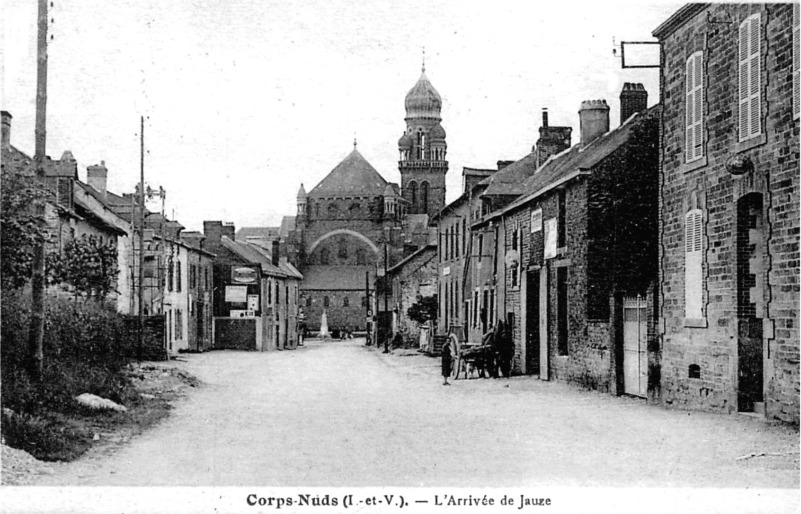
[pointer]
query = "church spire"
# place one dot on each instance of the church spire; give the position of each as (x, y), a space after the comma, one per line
(424, 59)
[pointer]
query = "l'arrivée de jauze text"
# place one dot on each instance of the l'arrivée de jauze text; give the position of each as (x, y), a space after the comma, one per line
(447, 500)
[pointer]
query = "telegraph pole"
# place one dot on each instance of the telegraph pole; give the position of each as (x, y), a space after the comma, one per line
(141, 332)
(386, 299)
(36, 333)
(368, 325)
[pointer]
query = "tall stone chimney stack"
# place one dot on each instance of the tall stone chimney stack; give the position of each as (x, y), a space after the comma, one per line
(276, 252)
(544, 117)
(6, 131)
(594, 120)
(97, 177)
(633, 99)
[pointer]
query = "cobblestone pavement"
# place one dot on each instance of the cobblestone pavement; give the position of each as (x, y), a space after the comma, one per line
(338, 413)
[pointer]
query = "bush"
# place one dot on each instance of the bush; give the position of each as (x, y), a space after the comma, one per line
(84, 352)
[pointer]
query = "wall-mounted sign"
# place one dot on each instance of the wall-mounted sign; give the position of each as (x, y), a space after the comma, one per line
(446, 271)
(536, 220)
(236, 294)
(253, 302)
(549, 250)
(242, 314)
(243, 275)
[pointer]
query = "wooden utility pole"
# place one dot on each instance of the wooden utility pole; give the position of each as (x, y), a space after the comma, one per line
(141, 202)
(36, 333)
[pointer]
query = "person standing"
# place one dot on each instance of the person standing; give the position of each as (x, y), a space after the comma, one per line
(447, 361)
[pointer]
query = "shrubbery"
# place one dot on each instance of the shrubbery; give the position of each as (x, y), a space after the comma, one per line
(85, 351)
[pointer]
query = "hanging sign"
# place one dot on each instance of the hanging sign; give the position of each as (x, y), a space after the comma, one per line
(243, 275)
(550, 239)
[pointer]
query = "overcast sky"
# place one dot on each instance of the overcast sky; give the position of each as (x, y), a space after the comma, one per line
(246, 99)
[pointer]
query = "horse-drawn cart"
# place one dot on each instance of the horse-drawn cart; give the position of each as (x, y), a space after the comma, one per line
(469, 358)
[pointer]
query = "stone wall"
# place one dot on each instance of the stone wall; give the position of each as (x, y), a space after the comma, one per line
(712, 342)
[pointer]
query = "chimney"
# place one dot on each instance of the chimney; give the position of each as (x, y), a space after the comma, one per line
(553, 140)
(96, 176)
(545, 117)
(503, 164)
(215, 230)
(6, 131)
(276, 252)
(633, 99)
(593, 119)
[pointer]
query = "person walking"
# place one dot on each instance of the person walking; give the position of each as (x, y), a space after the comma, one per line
(447, 362)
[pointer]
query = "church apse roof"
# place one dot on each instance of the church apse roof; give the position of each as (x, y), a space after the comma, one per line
(354, 176)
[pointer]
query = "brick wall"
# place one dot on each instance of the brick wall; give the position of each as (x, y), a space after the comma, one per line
(712, 342)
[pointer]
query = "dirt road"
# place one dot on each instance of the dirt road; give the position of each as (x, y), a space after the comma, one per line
(335, 414)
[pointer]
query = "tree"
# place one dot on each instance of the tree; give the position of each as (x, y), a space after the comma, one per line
(21, 228)
(424, 309)
(87, 266)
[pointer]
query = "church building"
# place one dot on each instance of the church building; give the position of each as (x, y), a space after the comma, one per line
(354, 223)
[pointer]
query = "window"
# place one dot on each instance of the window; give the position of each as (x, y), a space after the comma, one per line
(480, 246)
(364, 301)
(361, 257)
(326, 301)
(178, 276)
(179, 325)
(693, 263)
(308, 301)
(561, 310)
(516, 248)
(561, 229)
(169, 328)
(277, 293)
(413, 196)
(325, 256)
(796, 63)
(464, 236)
(424, 197)
(170, 275)
(192, 276)
(269, 291)
(346, 302)
(342, 251)
(694, 107)
(749, 98)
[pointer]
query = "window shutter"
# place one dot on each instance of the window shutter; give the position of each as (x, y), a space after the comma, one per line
(796, 64)
(693, 261)
(689, 107)
(694, 106)
(750, 80)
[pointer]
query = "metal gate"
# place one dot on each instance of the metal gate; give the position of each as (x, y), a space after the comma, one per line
(635, 345)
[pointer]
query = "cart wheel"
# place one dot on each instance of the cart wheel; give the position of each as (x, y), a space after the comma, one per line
(456, 361)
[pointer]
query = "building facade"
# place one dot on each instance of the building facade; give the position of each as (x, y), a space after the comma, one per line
(729, 209)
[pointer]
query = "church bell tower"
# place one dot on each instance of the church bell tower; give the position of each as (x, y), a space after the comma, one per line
(422, 147)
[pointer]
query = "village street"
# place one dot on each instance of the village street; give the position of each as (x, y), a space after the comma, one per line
(337, 413)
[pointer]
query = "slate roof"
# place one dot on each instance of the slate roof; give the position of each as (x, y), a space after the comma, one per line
(251, 253)
(575, 161)
(287, 225)
(509, 180)
(260, 232)
(354, 176)
(285, 266)
(399, 266)
(334, 277)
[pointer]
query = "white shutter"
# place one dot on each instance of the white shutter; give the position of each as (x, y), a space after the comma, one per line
(694, 115)
(689, 115)
(796, 65)
(750, 80)
(693, 261)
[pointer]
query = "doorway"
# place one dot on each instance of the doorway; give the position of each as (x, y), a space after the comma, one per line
(532, 322)
(635, 346)
(750, 303)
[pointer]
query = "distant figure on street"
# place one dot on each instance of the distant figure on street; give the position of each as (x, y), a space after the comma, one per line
(505, 346)
(447, 362)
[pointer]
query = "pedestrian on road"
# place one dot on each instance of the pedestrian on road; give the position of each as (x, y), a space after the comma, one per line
(447, 361)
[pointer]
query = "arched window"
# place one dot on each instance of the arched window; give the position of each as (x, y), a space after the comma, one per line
(325, 256)
(308, 302)
(326, 302)
(345, 302)
(421, 143)
(424, 197)
(342, 251)
(361, 256)
(333, 210)
(413, 196)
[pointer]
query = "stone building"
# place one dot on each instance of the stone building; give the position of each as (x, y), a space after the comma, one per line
(414, 278)
(577, 249)
(729, 209)
(256, 293)
(354, 223)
